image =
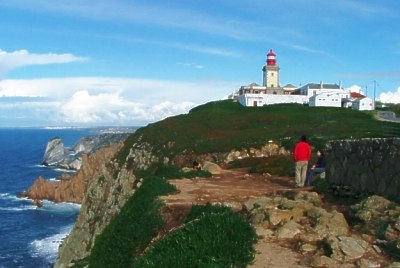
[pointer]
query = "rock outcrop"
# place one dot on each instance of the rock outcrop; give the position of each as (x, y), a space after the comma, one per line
(56, 155)
(72, 188)
(323, 237)
(55, 152)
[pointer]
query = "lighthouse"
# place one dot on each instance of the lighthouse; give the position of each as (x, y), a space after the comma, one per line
(271, 71)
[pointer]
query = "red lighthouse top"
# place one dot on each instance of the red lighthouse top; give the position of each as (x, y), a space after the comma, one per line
(271, 58)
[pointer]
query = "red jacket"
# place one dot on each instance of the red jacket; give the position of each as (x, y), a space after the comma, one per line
(302, 151)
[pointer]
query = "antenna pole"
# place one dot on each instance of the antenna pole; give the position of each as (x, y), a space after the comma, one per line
(374, 92)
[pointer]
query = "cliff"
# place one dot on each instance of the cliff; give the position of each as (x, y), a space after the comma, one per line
(71, 188)
(220, 132)
(57, 155)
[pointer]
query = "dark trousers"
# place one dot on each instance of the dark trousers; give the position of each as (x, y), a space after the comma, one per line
(311, 173)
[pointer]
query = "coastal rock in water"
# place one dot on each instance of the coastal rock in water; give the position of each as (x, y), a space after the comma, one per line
(71, 188)
(56, 155)
(55, 152)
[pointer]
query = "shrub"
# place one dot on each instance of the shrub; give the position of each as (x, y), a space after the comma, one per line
(321, 185)
(212, 237)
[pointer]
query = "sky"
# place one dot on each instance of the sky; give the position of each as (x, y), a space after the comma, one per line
(133, 62)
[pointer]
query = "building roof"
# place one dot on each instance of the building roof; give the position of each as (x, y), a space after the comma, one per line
(356, 95)
(290, 86)
(253, 85)
(322, 85)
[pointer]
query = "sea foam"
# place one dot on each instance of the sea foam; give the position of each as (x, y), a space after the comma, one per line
(47, 247)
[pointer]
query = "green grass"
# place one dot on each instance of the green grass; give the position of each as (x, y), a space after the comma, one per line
(172, 172)
(212, 237)
(280, 165)
(225, 125)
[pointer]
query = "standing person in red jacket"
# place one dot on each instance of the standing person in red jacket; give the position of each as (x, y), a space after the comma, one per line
(302, 154)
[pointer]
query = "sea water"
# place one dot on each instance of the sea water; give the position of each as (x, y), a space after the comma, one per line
(30, 236)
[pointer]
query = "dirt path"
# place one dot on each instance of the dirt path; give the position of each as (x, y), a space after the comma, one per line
(233, 188)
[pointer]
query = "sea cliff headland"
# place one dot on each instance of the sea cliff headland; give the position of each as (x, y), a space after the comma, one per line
(221, 132)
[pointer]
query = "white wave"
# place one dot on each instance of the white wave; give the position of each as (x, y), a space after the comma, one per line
(47, 247)
(27, 204)
(12, 197)
(21, 208)
(62, 127)
(53, 179)
(65, 170)
(5, 195)
(60, 207)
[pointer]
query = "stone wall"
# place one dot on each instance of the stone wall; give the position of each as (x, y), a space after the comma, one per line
(368, 165)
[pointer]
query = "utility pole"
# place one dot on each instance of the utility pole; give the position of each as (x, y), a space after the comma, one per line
(374, 92)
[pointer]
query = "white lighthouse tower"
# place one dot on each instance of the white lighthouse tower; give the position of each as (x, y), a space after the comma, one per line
(271, 71)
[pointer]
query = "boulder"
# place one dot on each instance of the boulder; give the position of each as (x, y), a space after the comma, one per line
(212, 168)
(277, 216)
(288, 230)
(54, 153)
(364, 263)
(345, 248)
(332, 224)
(370, 208)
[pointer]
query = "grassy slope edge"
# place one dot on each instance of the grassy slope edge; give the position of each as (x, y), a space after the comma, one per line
(225, 125)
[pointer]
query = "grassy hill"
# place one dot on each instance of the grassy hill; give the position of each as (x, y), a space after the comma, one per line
(224, 125)
(213, 236)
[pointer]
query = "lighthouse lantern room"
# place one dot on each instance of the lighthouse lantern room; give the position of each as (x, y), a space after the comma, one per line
(271, 71)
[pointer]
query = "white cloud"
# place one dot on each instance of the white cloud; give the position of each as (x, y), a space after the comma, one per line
(104, 100)
(355, 88)
(21, 58)
(390, 97)
(191, 65)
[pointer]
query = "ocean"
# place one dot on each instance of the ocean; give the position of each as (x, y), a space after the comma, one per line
(30, 236)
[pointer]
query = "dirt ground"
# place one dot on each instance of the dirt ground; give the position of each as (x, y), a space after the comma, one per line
(232, 188)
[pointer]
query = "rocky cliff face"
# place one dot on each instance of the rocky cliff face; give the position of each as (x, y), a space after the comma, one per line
(105, 195)
(72, 188)
(56, 155)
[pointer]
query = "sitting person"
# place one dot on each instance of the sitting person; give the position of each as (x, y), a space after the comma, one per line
(318, 168)
(196, 165)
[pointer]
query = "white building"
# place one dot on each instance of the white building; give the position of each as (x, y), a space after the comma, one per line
(256, 100)
(313, 89)
(364, 104)
(325, 100)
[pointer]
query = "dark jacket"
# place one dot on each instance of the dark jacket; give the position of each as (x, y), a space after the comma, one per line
(321, 162)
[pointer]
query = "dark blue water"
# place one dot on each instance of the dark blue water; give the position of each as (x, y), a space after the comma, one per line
(30, 236)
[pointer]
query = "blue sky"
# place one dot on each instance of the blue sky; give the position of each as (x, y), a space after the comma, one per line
(120, 62)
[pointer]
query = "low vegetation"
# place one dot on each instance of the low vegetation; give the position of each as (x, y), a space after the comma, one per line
(212, 236)
(225, 125)
(280, 165)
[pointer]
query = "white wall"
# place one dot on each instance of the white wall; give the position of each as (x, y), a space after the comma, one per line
(268, 99)
(365, 104)
(326, 100)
